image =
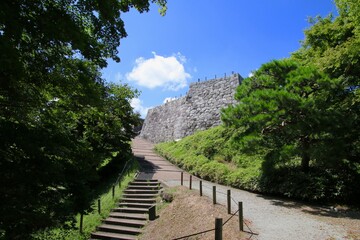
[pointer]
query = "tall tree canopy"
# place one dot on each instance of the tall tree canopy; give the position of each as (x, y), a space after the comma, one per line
(59, 120)
(287, 107)
(304, 111)
(333, 45)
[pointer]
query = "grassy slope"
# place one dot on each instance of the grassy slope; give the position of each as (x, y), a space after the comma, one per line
(212, 155)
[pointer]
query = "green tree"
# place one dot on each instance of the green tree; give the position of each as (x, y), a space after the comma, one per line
(58, 119)
(333, 45)
(307, 107)
(287, 108)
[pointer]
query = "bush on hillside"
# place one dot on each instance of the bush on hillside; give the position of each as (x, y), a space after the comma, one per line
(257, 173)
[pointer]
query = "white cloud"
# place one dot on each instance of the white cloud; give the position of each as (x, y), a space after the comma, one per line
(169, 99)
(137, 105)
(165, 72)
(251, 74)
(181, 57)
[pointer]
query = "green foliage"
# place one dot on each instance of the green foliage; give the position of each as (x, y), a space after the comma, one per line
(302, 113)
(52, 161)
(333, 45)
(92, 219)
(225, 164)
(308, 102)
(261, 173)
(59, 121)
(319, 184)
(287, 105)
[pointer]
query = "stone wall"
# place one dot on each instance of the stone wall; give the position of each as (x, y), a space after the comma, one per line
(198, 110)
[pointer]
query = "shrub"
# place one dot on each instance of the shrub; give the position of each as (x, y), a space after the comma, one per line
(213, 155)
(214, 171)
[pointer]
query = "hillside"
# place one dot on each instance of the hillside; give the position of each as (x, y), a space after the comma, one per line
(214, 155)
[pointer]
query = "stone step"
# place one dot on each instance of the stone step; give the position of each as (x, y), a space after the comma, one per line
(131, 210)
(144, 187)
(112, 236)
(141, 191)
(138, 200)
(146, 163)
(135, 205)
(139, 195)
(124, 222)
(119, 229)
(144, 183)
(146, 180)
(124, 215)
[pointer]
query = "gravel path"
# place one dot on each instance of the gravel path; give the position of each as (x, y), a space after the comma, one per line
(270, 218)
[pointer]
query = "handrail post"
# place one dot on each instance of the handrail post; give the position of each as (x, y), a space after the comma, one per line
(81, 222)
(99, 206)
(182, 178)
(200, 187)
(152, 213)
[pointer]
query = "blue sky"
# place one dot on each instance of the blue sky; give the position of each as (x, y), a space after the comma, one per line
(199, 39)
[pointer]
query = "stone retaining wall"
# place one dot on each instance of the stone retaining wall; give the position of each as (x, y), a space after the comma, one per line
(198, 110)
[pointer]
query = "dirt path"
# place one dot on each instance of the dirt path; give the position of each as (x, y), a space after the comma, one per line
(271, 218)
(190, 214)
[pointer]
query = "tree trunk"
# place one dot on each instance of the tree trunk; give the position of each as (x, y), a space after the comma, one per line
(305, 158)
(305, 162)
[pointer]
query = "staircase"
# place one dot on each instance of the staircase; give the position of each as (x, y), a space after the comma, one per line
(126, 221)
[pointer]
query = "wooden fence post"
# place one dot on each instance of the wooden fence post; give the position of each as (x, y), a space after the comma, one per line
(99, 206)
(229, 201)
(190, 184)
(214, 194)
(152, 213)
(182, 178)
(218, 228)
(241, 218)
(200, 187)
(113, 191)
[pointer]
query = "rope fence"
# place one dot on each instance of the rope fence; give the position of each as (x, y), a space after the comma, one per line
(230, 199)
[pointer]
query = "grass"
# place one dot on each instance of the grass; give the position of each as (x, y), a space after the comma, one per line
(215, 155)
(92, 219)
(210, 155)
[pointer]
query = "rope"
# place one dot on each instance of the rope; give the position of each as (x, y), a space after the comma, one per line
(233, 200)
(121, 173)
(251, 232)
(194, 234)
(232, 215)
